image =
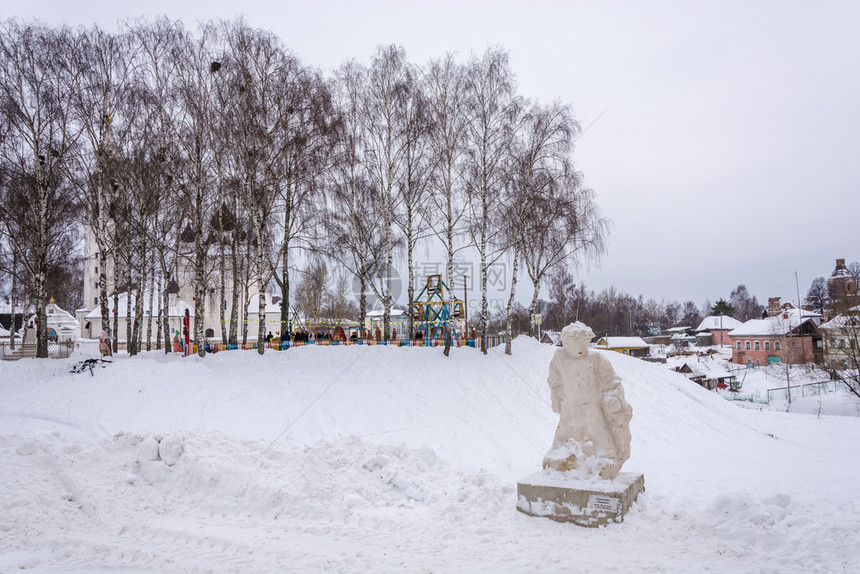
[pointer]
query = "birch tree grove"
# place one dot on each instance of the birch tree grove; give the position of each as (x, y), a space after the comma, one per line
(99, 90)
(38, 207)
(205, 167)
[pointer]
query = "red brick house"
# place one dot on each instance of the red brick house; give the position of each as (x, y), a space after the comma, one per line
(787, 335)
(718, 326)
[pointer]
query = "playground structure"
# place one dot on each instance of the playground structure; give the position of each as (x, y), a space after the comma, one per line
(436, 309)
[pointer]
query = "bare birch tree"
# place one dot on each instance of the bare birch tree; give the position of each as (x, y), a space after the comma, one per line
(389, 81)
(353, 237)
(446, 89)
(540, 152)
(413, 184)
(492, 114)
(564, 227)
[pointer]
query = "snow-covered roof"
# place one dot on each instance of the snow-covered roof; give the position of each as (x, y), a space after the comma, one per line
(57, 317)
(788, 319)
(716, 322)
(177, 310)
(707, 368)
(678, 330)
(6, 307)
(553, 336)
(380, 312)
(842, 321)
(622, 342)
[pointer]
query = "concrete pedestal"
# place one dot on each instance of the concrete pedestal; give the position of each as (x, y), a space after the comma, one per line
(584, 502)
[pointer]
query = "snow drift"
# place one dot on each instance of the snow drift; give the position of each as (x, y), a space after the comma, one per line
(395, 459)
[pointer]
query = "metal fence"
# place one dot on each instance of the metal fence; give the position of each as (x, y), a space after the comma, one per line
(808, 390)
(746, 398)
(28, 350)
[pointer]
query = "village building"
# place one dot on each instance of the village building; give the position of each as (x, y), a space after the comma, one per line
(91, 324)
(841, 337)
(62, 326)
(718, 327)
(8, 315)
(632, 346)
(842, 285)
(705, 372)
(551, 338)
(787, 335)
(180, 286)
(374, 324)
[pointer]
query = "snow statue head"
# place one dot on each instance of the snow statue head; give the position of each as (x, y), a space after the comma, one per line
(575, 339)
(593, 434)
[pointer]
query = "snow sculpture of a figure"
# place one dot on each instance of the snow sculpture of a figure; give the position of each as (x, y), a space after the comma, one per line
(593, 434)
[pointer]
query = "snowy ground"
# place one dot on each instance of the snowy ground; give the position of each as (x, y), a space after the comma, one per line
(809, 396)
(376, 459)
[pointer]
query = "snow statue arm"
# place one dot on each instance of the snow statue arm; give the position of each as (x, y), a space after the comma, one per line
(617, 414)
(554, 381)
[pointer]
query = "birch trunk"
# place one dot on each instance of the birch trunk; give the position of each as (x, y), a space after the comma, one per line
(14, 300)
(246, 304)
(285, 295)
(128, 322)
(509, 331)
(362, 305)
(446, 303)
(165, 304)
(534, 309)
(261, 308)
(158, 321)
(150, 302)
(222, 295)
(116, 282)
(238, 271)
(484, 310)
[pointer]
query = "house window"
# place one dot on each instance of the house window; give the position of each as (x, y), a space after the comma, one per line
(96, 302)
(757, 347)
(748, 345)
(776, 346)
(739, 345)
(767, 345)
(97, 268)
(841, 343)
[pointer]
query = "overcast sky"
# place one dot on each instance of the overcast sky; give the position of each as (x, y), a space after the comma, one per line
(724, 138)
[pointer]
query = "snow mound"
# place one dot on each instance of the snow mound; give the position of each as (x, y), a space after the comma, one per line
(383, 459)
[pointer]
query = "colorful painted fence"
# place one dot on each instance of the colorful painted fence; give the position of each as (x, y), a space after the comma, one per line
(213, 347)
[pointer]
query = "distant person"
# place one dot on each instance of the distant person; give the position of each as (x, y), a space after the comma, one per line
(104, 346)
